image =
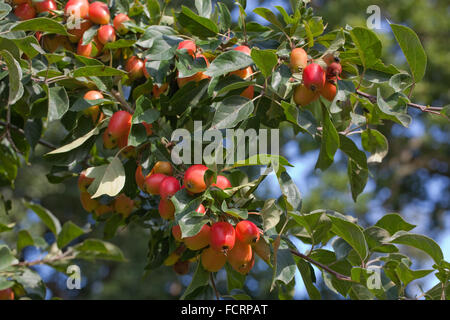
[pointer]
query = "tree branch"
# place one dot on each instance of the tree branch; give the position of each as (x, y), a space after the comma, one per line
(122, 101)
(429, 109)
(20, 130)
(214, 286)
(322, 266)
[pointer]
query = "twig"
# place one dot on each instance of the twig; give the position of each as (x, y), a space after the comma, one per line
(429, 109)
(122, 101)
(20, 130)
(322, 266)
(214, 286)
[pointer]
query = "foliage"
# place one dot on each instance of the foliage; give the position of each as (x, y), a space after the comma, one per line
(42, 85)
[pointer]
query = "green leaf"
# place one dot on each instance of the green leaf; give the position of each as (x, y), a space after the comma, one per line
(204, 7)
(144, 111)
(376, 143)
(412, 49)
(121, 43)
(77, 142)
(98, 71)
(109, 179)
(351, 233)
(199, 26)
(92, 249)
(420, 242)
(401, 81)
(269, 16)
(155, 10)
(46, 216)
(406, 275)
(290, 191)
(368, 45)
(227, 62)
(317, 224)
(393, 222)
(6, 257)
(351, 150)
(265, 60)
(358, 177)
(231, 111)
(235, 212)
(271, 214)
(200, 279)
(285, 268)
(191, 223)
(307, 273)
(399, 117)
(24, 239)
(69, 232)
(31, 281)
(5, 9)
(58, 103)
(235, 280)
(224, 16)
(330, 142)
(41, 24)
(15, 77)
(29, 45)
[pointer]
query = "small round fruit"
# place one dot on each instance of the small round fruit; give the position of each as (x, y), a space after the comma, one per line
(7, 294)
(243, 49)
(328, 91)
(135, 68)
(148, 128)
(166, 209)
(222, 182)
(163, 167)
(123, 205)
(120, 124)
(157, 91)
(99, 13)
(247, 232)
(249, 93)
(103, 209)
(176, 233)
(334, 70)
(240, 256)
(45, 6)
(139, 177)
(199, 76)
(153, 182)
(118, 23)
(194, 178)
(243, 73)
(200, 240)
(181, 267)
(222, 237)
(189, 46)
(90, 50)
(213, 260)
(329, 58)
(93, 111)
(106, 34)
(304, 96)
(77, 8)
(25, 11)
(88, 203)
(314, 77)
(168, 187)
(84, 182)
(78, 31)
(299, 59)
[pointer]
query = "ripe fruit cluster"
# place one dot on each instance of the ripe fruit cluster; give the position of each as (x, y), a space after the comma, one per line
(316, 80)
(121, 204)
(221, 243)
(27, 9)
